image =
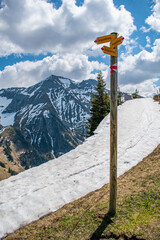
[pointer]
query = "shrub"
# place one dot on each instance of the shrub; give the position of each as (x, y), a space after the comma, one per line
(157, 98)
(11, 172)
(2, 164)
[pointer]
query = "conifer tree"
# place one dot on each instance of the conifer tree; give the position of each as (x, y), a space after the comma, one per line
(100, 105)
(119, 96)
(135, 94)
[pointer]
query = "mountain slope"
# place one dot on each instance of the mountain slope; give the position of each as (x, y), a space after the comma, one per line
(86, 218)
(50, 115)
(81, 170)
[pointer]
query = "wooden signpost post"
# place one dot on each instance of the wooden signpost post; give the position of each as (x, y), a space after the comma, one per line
(112, 50)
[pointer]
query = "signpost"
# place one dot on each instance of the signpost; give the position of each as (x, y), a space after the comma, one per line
(112, 50)
(116, 42)
(104, 39)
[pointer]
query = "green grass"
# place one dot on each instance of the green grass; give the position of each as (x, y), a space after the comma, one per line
(137, 215)
(134, 215)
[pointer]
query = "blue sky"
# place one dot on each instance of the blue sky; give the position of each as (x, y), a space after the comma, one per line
(39, 38)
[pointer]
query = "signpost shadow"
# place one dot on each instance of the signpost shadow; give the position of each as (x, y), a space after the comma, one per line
(104, 224)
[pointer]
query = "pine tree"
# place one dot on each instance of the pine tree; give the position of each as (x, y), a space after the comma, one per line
(119, 97)
(100, 105)
(135, 94)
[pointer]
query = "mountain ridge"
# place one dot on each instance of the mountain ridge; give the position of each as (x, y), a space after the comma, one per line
(51, 115)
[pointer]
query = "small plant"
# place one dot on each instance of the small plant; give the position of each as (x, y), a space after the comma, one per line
(11, 172)
(2, 164)
(7, 150)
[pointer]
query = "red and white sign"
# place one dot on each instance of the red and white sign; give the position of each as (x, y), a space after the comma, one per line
(113, 68)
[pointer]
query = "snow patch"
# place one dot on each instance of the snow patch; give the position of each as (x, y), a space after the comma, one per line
(25, 91)
(46, 113)
(6, 119)
(66, 82)
(52, 145)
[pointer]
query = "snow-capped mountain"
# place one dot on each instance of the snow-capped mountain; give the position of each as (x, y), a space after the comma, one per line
(51, 115)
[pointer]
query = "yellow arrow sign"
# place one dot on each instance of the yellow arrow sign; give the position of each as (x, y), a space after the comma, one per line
(111, 51)
(116, 42)
(104, 39)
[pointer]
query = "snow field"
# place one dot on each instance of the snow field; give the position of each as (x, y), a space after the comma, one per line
(44, 189)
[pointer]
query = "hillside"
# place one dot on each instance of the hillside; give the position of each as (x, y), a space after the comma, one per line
(17, 154)
(46, 188)
(41, 122)
(50, 115)
(9, 155)
(137, 216)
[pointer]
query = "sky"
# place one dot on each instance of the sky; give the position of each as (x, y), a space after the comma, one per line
(43, 37)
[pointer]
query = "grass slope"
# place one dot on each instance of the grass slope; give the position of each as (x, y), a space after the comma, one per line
(138, 210)
(9, 164)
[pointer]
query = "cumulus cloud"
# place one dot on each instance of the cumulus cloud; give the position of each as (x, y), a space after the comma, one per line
(35, 26)
(24, 74)
(135, 71)
(154, 19)
(141, 70)
(145, 89)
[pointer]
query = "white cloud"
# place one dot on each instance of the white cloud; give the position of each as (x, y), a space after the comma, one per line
(154, 19)
(141, 70)
(138, 71)
(144, 29)
(146, 89)
(148, 40)
(24, 74)
(129, 44)
(35, 26)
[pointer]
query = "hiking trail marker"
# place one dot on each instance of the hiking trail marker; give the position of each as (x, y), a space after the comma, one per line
(110, 51)
(104, 39)
(113, 52)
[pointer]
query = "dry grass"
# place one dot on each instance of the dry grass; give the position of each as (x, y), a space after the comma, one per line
(86, 218)
(14, 166)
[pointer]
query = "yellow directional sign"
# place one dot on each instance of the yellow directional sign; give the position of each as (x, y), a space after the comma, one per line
(104, 39)
(116, 42)
(111, 51)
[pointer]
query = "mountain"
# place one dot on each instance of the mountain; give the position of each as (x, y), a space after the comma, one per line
(46, 188)
(50, 116)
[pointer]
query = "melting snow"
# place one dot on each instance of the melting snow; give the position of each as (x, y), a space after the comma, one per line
(65, 81)
(46, 113)
(31, 111)
(46, 188)
(6, 118)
